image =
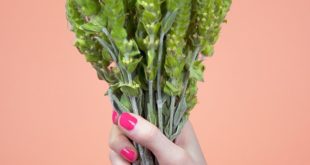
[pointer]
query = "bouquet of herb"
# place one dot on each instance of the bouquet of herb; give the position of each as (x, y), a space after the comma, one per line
(150, 52)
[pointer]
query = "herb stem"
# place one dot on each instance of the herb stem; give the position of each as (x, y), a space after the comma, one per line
(172, 109)
(132, 98)
(185, 84)
(150, 96)
(159, 96)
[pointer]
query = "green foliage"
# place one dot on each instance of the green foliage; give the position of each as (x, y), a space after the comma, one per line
(196, 71)
(130, 43)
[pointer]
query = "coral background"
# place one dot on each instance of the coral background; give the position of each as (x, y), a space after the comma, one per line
(254, 107)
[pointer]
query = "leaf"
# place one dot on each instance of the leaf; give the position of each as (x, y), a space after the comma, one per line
(133, 65)
(150, 69)
(167, 129)
(116, 101)
(196, 71)
(125, 101)
(166, 114)
(151, 114)
(118, 34)
(182, 107)
(92, 58)
(150, 58)
(171, 61)
(104, 74)
(191, 102)
(130, 89)
(105, 55)
(108, 47)
(179, 128)
(91, 26)
(117, 74)
(132, 48)
(168, 21)
(208, 50)
(108, 35)
(171, 89)
(172, 66)
(88, 7)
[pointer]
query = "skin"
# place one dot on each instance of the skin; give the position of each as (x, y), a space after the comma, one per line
(184, 151)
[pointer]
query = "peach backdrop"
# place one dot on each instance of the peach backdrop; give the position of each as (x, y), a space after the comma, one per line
(253, 108)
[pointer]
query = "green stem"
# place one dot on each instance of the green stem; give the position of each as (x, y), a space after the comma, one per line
(159, 96)
(113, 53)
(133, 99)
(134, 105)
(150, 81)
(172, 109)
(136, 111)
(196, 52)
(115, 100)
(150, 96)
(185, 84)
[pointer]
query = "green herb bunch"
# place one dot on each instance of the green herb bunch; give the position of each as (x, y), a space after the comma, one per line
(148, 53)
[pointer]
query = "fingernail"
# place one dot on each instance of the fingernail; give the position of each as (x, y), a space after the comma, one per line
(127, 121)
(114, 117)
(128, 154)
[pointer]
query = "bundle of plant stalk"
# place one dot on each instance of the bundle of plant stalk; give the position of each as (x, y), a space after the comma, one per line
(150, 52)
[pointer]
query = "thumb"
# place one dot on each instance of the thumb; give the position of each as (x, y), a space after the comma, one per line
(143, 132)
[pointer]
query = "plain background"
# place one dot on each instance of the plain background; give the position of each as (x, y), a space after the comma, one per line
(253, 108)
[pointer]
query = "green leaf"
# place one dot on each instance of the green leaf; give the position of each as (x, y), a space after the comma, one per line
(208, 50)
(125, 101)
(116, 101)
(150, 69)
(171, 89)
(92, 58)
(108, 47)
(118, 34)
(191, 102)
(171, 61)
(132, 48)
(105, 55)
(151, 114)
(168, 21)
(133, 64)
(197, 70)
(111, 44)
(104, 74)
(150, 58)
(166, 113)
(181, 109)
(88, 7)
(179, 128)
(91, 27)
(130, 89)
(117, 74)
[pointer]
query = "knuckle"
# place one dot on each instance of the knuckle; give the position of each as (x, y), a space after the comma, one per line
(150, 135)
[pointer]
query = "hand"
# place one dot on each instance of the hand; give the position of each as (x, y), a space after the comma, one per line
(185, 150)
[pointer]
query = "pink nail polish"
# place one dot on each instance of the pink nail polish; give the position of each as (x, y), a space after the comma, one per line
(114, 117)
(127, 121)
(128, 154)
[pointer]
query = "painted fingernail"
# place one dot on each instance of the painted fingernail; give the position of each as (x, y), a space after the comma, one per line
(128, 154)
(114, 117)
(127, 121)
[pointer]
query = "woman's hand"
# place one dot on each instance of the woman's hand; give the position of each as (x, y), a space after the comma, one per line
(185, 150)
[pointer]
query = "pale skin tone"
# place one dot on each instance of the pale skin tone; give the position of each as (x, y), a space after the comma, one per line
(184, 151)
